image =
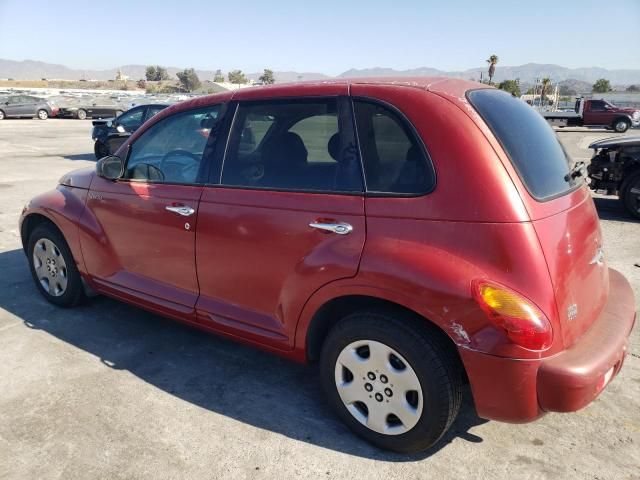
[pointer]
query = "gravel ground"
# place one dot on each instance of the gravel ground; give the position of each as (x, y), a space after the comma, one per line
(109, 391)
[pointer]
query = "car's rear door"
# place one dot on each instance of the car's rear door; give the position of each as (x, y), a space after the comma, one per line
(285, 217)
(18, 107)
(140, 239)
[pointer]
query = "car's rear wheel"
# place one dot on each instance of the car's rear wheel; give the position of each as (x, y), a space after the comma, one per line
(100, 150)
(43, 114)
(81, 114)
(1, 115)
(395, 384)
(630, 194)
(621, 125)
(53, 267)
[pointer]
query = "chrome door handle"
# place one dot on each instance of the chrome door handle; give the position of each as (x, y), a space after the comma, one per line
(184, 210)
(339, 228)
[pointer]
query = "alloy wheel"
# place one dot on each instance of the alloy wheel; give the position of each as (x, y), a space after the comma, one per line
(50, 267)
(42, 114)
(378, 387)
(621, 126)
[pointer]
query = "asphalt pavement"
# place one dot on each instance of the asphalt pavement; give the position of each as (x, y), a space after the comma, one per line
(109, 391)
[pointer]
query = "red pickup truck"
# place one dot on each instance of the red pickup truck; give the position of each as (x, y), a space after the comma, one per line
(595, 113)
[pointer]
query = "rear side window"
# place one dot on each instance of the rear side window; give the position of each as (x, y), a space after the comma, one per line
(528, 140)
(297, 144)
(394, 161)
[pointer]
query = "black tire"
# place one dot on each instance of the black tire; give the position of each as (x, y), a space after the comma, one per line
(631, 200)
(426, 352)
(621, 125)
(2, 115)
(100, 150)
(73, 293)
(81, 114)
(42, 114)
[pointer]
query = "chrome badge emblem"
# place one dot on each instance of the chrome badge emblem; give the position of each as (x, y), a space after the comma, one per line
(572, 311)
(598, 258)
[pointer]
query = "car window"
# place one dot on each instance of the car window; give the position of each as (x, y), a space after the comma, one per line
(597, 105)
(15, 100)
(528, 140)
(394, 161)
(292, 145)
(131, 119)
(171, 150)
(154, 110)
(316, 132)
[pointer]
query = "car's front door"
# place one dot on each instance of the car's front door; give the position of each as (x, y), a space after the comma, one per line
(285, 217)
(139, 232)
(596, 113)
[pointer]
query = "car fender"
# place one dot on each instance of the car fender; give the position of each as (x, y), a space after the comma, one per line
(62, 207)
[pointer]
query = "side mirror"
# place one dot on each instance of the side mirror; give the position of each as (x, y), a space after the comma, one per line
(120, 129)
(110, 167)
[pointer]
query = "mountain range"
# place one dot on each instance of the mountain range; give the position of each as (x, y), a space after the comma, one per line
(35, 70)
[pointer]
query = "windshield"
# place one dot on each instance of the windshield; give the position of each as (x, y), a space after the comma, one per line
(529, 141)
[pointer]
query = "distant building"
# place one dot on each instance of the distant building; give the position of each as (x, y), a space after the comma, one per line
(121, 77)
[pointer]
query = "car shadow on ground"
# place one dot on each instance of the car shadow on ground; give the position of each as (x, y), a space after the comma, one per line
(81, 156)
(611, 208)
(219, 375)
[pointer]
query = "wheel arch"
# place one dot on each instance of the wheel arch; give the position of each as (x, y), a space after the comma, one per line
(31, 222)
(334, 309)
(623, 117)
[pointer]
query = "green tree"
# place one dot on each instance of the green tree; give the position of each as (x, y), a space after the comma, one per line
(602, 85)
(150, 74)
(156, 73)
(633, 88)
(218, 77)
(189, 79)
(545, 87)
(510, 86)
(236, 76)
(492, 61)
(267, 77)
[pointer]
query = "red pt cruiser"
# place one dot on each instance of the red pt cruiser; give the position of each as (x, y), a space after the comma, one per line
(409, 235)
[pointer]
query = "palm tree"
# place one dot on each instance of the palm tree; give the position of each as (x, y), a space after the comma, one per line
(545, 86)
(493, 60)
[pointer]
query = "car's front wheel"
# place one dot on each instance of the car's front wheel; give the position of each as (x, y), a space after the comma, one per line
(621, 125)
(53, 268)
(1, 115)
(43, 114)
(393, 383)
(81, 114)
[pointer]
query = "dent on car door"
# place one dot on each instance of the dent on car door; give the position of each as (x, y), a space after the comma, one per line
(286, 218)
(138, 232)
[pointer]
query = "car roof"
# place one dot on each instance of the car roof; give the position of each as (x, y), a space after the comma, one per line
(451, 87)
(612, 142)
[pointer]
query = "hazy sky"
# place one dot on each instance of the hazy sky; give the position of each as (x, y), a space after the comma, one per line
(321, 36)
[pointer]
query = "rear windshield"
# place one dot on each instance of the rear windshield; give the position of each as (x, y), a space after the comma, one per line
(528, 140)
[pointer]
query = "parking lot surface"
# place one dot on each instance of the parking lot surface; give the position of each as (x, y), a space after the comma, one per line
(110, 391)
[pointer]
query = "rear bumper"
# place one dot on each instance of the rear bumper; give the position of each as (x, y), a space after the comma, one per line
(522, 390)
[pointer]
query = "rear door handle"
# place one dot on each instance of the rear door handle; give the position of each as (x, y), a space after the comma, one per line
(183, 210)
(339, 228)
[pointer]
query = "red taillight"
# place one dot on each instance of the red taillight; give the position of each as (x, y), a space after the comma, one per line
(523, 322)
